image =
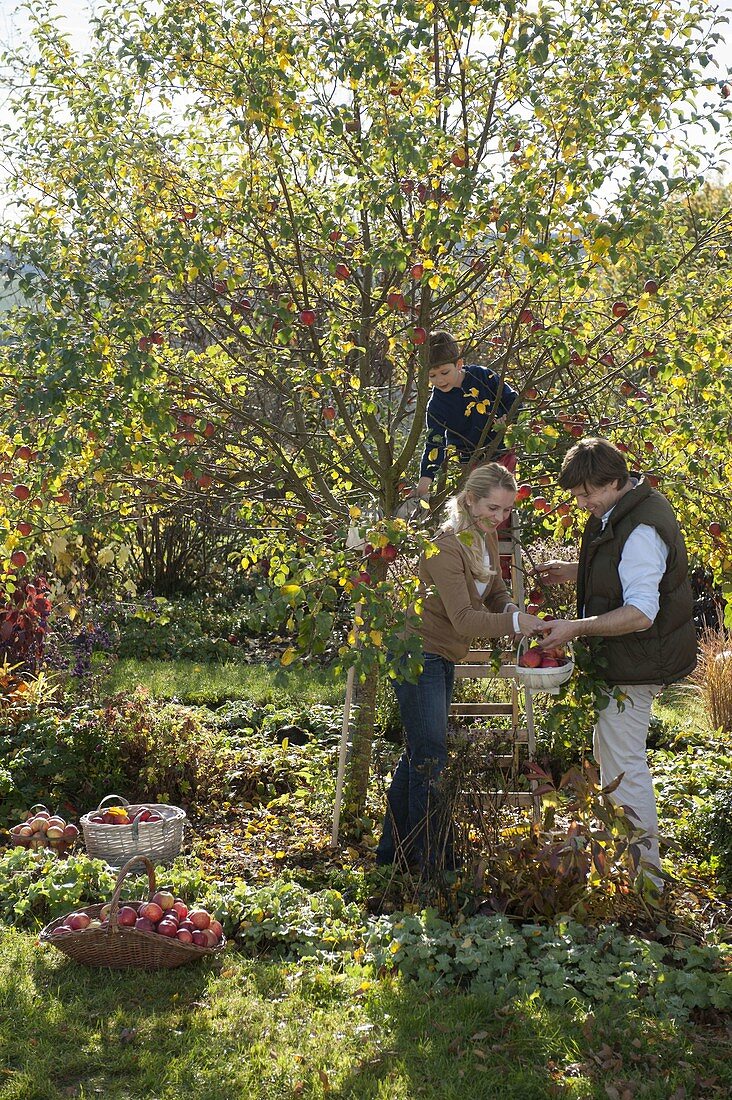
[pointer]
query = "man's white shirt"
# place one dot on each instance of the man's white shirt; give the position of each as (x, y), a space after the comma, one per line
(641, 567)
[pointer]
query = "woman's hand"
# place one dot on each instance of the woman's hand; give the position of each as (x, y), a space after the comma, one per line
(530, 624)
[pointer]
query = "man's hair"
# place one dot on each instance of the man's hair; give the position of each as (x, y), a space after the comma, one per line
(444, 348)
(593, 462)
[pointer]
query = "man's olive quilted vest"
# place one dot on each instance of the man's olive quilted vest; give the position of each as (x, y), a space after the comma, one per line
(667, 651)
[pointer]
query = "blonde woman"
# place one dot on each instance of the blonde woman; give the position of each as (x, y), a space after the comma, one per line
(467, 599)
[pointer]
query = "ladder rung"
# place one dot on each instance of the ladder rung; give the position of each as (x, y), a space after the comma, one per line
(484, 672)
(518, 736)
(481, 708)
(484, 656)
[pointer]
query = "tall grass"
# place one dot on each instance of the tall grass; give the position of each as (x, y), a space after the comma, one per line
(714, 677)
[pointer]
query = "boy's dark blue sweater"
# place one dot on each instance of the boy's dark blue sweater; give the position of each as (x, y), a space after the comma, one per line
(459, 417)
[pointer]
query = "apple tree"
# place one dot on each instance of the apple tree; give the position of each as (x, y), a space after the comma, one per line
(236, 229)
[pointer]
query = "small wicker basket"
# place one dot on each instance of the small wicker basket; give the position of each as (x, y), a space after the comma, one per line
(121, 947)
(160, 841)
(59, 846)
(543, 679)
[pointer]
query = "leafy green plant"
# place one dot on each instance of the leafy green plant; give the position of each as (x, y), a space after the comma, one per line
(563, 961)
(717, 827)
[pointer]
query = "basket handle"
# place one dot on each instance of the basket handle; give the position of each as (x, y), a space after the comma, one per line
(121, 876)
(524, 643)
(38, 806)
(120, 800)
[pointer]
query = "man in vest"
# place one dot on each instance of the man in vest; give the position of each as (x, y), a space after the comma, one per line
(635, 607)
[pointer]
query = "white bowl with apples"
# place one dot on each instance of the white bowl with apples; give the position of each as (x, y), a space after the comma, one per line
(543, 669)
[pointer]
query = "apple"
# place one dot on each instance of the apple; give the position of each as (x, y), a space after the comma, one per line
(540, 503)
(157, 338)
(152, 911)
(726, 90)
(307, 317)
(25, 830)
(217, 929)
(61, 930)
(406, 186)
(531, 658)
(417, 271)
(531, 393)
(211, 939)
(329, 413)
(620, 310)
(140, 815)
(577, 359)
(334, 235)
(364, 578)
(242, 306)
(199, 918)
(54, 832)
(650, 286)
(127, 916)
(167, 928)
(184, 936)
(205, 481)
(395, 300)
(54, 819)
(143, 344)
(164, 899)
(78, 921)
(199, 938)
(523, 493)
(19, 559)
(550, 662)
(24, 528)
(419, 336)
(21, 492)
(343, 271)
(526, 316)
(532, 609)
(38, 824)
(459, 158)
(144, 924)
(24, 452)
(715, 529)
(220, 287)
(608, 359)
(389, 552)
(185, 925)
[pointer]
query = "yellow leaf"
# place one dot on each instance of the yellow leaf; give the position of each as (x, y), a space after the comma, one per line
(377, 637)
(434, 282)
(288, 656)
(290, 589)
(551, 432)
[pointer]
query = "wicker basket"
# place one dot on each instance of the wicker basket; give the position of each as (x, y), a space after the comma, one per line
(543, 679)
(158, 840)
(120, 947)
(60, 846)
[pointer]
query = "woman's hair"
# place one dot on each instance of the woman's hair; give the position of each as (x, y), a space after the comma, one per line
(480, 483)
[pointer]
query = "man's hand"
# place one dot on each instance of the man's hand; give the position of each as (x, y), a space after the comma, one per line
(558, 632)
(558, 572)
(530, 624)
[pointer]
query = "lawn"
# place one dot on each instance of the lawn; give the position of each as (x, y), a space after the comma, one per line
(251, 1028)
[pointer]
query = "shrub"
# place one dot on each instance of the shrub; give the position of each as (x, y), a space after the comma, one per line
(717, 827)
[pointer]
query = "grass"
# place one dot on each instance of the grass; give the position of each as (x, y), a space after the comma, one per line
(249, 1028)
(210, 684)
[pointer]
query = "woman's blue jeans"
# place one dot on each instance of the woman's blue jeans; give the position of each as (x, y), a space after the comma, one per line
(416, 832)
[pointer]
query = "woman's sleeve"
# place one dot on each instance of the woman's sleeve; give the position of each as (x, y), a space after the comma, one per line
(447, 572)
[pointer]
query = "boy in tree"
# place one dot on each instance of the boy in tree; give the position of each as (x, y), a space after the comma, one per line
(463, 411)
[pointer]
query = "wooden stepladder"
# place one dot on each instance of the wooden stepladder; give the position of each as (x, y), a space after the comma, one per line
(488, 721)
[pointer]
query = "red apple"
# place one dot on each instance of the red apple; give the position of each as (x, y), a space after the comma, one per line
(184, 936)
(24, 528)
(620, 310)
(532, 609)
(531, 393)
(220, 287)
(19, 559)
(395, 300)
(144, 924)
(715, 529)
(550, 662)
(343, 271)
(334, 235)
(650, 286)
(726, 90)
(531, 658)
(21, 492)
(539, 503)
(307, 317)
(329, 413)
(523, 493)
(78, 921)
(152, 911)
(199, 938)
(211, 939)
(364, 578)
(157, 338)
(127, 916)
(199, 918)
(389, 552)
(419, 336)
(167, 928)
(526, 316)
(217, 929)
(61, 930)
(143, 344)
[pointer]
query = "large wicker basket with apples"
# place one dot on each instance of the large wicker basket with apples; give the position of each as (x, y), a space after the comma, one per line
(543, 669)
(145, 935)
(119, 831)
